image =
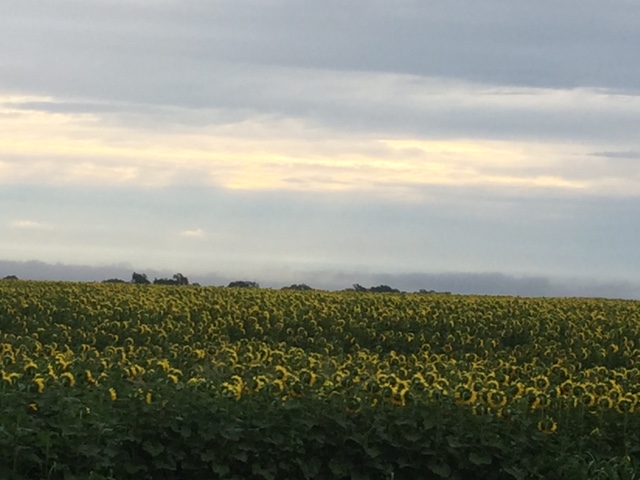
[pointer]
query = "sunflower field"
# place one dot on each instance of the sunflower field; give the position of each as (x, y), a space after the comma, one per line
(121, 381)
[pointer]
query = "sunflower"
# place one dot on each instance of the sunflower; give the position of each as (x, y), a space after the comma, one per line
(279, 386)
(9, 377)
(566, 387)
(232, 388)
(477, 386)
(496, 399)
(430, 377)
(281, 372)
(308, 377)
(502, 378)
(515, 390)
(615, 395)
(479, 409)
(577, 391)
(442, 383)
(386, 392)
(52, 372)
(492, 384)
(71, 380)
(30, 366)
(39, 381)
(625, 404)
(547, 426)
(352, 405)
(542, 400)
(600, 389)
(372, 386)
(605, 403)
(465, 396)
(398, 398)
(588, 399)
(541, 382)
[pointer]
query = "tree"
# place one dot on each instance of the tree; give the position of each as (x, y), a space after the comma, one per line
(379, 289)
(180, 279)
(384, 289)
(431, 292)
(243, 284)
(140, 279)
(177, 279)
(10, 277)
(299, 287)
(113, 280)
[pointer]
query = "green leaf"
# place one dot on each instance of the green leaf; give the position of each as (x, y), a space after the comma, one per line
(310, 468)
(403, 462)
(441, 469)
(133, 468)
(208, 456)
(516, 472)
(412, 436)
(428, 423)
(242, 456)
(185, 431)
(338, 467)
(357, 475)
(154, 449)
(479, 458)
(165, 463)
(231, 433)
(222, 469)
(453, 441)
(372, 451)
(267, 474)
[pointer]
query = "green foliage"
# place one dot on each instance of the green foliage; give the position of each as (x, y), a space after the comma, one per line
(110, 381)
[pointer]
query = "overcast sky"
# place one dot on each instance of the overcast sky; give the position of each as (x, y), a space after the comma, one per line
(414, 141)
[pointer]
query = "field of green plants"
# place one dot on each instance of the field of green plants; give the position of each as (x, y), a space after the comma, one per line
(121, 381)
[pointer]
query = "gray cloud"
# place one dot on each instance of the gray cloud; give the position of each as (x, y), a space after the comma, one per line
(544, 71)
(625, 155)
(181, 52)
(559, 44)
(383, 106)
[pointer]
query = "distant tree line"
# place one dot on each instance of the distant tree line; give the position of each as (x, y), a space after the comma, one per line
(299, 287)
(379, 289)
(387, 289)
(243, 284)
(180, 280)
(142, 279)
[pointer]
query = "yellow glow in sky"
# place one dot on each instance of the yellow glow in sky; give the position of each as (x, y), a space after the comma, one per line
(44, 147)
